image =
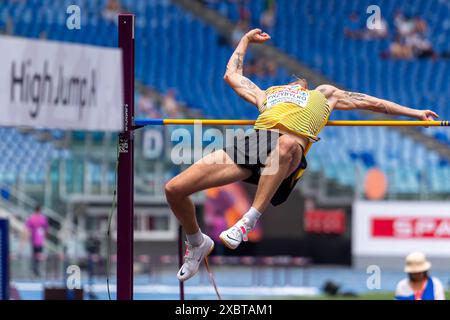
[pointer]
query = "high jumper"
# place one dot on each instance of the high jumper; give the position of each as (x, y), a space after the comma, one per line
(290, 119)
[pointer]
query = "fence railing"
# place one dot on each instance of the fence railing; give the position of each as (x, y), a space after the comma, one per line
(18, 204)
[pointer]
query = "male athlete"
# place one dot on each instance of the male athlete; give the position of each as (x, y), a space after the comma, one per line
(292, 116)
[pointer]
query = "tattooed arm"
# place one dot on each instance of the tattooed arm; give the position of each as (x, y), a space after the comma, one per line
(345, 100)
(245, 88)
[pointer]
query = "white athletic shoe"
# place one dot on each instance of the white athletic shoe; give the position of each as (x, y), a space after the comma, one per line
(233, 237)
(193, 257)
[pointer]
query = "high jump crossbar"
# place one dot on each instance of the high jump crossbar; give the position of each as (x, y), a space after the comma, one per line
(335, 123)
(125, 178)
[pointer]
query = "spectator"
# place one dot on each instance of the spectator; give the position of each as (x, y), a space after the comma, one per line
(244, 12)
(410, 40)
(238, 32)
(353, 26)
(413, 35)
(420, 47)
(111, 10)
(170, 105)
(405, 26)
(267, 18)
(37, 225)
(419, 285)
(421, 26)
(398, 50)
(147, 105)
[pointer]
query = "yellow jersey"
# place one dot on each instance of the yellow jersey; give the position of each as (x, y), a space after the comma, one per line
(304, 112)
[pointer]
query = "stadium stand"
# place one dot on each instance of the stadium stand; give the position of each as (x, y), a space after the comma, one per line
(194, 63)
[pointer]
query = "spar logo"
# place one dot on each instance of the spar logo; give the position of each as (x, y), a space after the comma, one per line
(411, 227)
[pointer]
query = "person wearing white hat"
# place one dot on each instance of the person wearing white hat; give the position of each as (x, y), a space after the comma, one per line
(419, 285)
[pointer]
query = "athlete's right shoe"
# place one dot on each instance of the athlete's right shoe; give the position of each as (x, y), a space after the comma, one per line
(193, 257)
(233, 236)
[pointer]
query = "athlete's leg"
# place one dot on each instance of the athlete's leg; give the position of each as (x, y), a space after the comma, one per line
(280, 164)
(287, 157)
(215, 169)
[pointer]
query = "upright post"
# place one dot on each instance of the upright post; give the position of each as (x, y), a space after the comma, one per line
(125, 181)
(4, 259)
(180, 258)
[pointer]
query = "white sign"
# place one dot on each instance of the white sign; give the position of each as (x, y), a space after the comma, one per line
(47, 84)
(397, 228)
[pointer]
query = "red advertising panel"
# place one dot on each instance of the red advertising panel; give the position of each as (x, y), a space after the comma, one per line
(325, 221)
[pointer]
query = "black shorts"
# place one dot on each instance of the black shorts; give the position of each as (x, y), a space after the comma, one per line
(251, 152)
(37, 249)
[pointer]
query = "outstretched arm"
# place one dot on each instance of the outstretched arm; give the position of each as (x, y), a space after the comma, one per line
(243, 86)
(345, 100)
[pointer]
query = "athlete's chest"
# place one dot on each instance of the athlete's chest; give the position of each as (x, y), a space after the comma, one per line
(290, 94)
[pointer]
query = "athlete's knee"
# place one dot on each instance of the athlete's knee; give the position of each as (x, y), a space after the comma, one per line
(174, 190)
(288, 149)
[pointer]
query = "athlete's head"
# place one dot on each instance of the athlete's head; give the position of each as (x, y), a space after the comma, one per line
(299, 81)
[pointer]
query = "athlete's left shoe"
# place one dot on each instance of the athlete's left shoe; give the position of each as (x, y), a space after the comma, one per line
(193, 257)
(233, 236)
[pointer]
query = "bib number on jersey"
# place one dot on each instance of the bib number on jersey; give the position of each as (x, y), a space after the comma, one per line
(299, 98)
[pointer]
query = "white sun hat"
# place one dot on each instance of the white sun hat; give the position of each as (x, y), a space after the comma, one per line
(416, 262)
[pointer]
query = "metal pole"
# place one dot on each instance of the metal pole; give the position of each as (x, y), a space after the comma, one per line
(4, 260)
(125, 183)
(180, 258)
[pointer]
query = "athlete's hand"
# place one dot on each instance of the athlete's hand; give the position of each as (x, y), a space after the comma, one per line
(257, 36)
(427, 115)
